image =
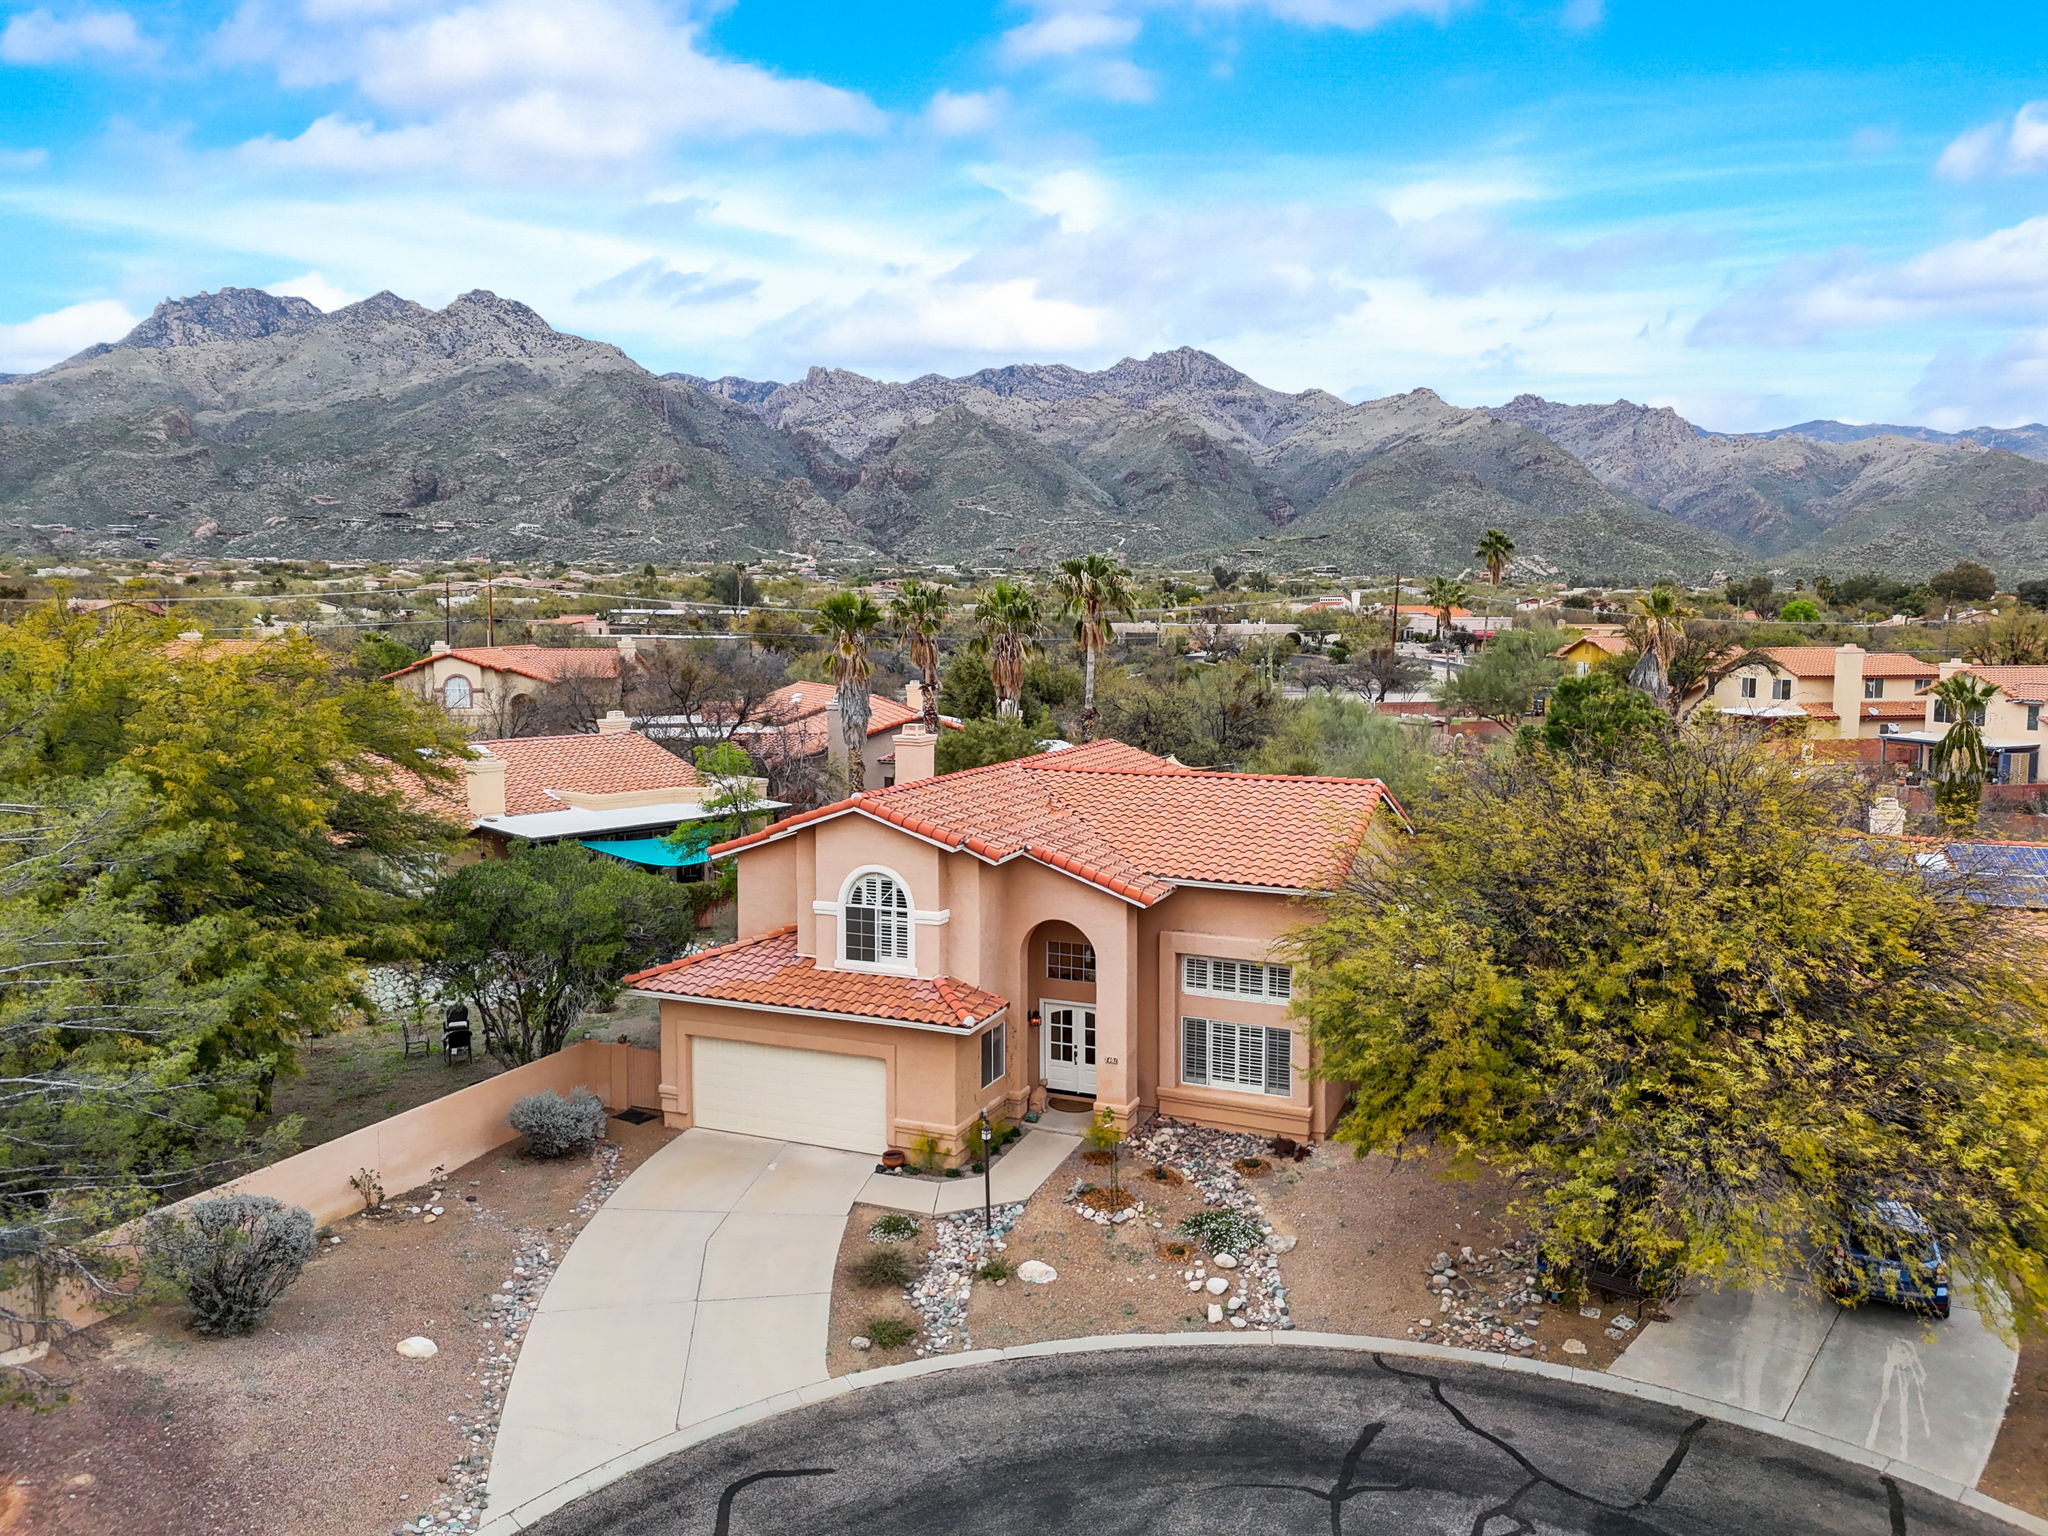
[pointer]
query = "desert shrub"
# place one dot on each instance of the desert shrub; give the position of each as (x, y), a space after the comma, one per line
(996, 1266)
(1223, 1231)
(928, 1153)
(1252, 1167)
(231, 1256)
(890, 1332)
(554, 1126)
(881, 1269)
(1162, 1173)
(1176, 1251)
(896, 1227)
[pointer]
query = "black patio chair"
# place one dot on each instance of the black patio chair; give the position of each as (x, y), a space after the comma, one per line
(455, 1035)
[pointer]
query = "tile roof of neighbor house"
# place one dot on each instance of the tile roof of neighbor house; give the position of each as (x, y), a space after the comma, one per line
(767, 972)
(2029, 684)
(1819, 661)
(1129, 822)
(807, 701)
(543, 663)
(212, 650)
(1613, 645)
(1894, 709)
(1821, 711)
(619, 763)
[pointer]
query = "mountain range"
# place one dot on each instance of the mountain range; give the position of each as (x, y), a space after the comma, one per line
(239, 423)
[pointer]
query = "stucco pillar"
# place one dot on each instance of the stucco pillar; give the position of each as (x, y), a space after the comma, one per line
(1117, 1025)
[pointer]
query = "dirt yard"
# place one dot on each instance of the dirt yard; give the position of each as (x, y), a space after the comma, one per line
(1364, 1234)
(2018, 1470)
(312, 1424)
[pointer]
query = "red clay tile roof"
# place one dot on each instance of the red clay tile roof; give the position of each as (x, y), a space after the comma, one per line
(1821, 711)
(2026, 683)
(544, 663)
(1613, 645)
(766, 970)
(619, 763)
(1127, 821)
(1894, 709)
(1819, 661)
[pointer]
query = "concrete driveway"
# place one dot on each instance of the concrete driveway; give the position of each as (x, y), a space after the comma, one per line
(704, 1283)
(1930, 1394)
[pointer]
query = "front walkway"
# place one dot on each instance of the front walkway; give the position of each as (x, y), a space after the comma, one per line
(1929, 1394)
(703, 1285)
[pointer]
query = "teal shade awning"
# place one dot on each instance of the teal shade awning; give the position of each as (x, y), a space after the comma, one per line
(655, 852)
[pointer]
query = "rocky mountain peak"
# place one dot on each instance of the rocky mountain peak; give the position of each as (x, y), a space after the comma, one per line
(232, 314)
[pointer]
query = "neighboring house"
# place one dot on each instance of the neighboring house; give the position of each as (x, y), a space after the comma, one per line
(1097, 923)
(1835, 692)
(1420, 619)
(498, 687)
(1588, 651)
(109, 604)
(614, 792)
(2012, 722)
(802, 721)
(581, 623)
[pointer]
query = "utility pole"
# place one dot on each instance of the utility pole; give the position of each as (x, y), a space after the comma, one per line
(491, 606)
(1394, 629)
(447, 610)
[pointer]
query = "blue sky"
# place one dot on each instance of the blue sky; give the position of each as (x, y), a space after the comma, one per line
(1753, 213)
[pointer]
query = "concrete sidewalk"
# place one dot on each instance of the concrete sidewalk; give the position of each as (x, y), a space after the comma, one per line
(1929, 1394)
(704, 1284)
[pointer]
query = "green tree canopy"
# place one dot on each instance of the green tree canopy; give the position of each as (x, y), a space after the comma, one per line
(1698, 1025)
(1341, 736)
(1599, 718)
(1503, 680)
(986, 740)
(535, 939)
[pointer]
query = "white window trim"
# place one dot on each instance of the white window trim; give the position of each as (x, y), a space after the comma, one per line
(907, 966)
(922, 918)
(1206, 1080)
(1265, 967)
(1000, 1028)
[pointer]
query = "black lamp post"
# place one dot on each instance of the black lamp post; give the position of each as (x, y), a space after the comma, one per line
(988, 1136)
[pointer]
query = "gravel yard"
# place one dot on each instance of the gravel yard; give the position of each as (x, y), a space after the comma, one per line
(1355, 1245)
(312, 1424)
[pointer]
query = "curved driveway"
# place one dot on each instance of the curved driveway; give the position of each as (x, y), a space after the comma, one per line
(1251, 1441)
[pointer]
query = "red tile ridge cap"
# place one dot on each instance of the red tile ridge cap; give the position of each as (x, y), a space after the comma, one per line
(1066, 863)
(669, 966)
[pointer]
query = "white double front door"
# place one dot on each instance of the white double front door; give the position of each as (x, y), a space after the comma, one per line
(1069, 1050)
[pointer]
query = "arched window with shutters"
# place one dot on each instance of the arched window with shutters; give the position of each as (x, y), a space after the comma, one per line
(455, 693)
(874, 921)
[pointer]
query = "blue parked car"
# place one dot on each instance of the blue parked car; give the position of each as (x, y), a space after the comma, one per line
(1888, 1253)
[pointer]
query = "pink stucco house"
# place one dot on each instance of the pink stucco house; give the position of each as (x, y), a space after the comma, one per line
(1095, 923)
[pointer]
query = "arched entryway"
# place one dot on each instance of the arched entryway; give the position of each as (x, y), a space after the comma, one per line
(1058, 968)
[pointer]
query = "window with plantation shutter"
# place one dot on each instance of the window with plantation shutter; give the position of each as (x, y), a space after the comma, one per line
(1215, 1053)
(874, 922)
(1212, 977)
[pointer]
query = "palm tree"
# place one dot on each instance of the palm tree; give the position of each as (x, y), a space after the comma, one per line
(1090, 586)
(1495, 550)
(848, 621)
(1656, 629)
(1958, 763)
(1007, 620)
(919, 610)
(1444, 594)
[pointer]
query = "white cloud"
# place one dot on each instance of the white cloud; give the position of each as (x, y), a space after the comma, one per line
(2002, 275)
(969, 319)
(509, 85)
(1446, 194)
(2014, 147)
(1061, 33)
(314, 288)
(958, 112)
(2004, 387)
(1353, 15)
(47, 339)
(1582, 15)
(43, 37)
(1111, 79)
(1076, 200)
(22, 159)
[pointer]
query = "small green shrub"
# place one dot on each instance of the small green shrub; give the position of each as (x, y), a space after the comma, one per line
(953, 1173)
(882, 1269)
(927, 1153)
(1223, 1231)
(996, 1266)
(554, 1126)
(896, 1227)
(889, 1332)
(232, 1256)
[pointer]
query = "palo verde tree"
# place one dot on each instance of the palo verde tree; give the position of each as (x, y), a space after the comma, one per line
(1008, 619)
(1090, 588)
(1959, 763)
(848, 621)
(919, 611)
(1700, 1027)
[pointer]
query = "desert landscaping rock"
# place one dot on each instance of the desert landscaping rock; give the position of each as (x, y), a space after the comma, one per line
(1037, 1272)
(418, 1348)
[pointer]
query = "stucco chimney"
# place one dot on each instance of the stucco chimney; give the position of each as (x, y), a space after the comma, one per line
(629, 647)
(484, 779)
(913, 696)
(1887, 817)
(916, 754)
(1848, 694)
(835, 737)
(612, 722)
(438, 648)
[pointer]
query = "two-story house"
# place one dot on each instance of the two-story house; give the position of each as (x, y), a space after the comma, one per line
(2011, 722)
(1095, 923)
(497, 689)
(1835, 692)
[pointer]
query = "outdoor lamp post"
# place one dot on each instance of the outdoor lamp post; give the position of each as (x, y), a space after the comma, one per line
(988, 1208)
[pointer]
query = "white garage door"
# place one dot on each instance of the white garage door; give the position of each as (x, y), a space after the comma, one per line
(817, 1097)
